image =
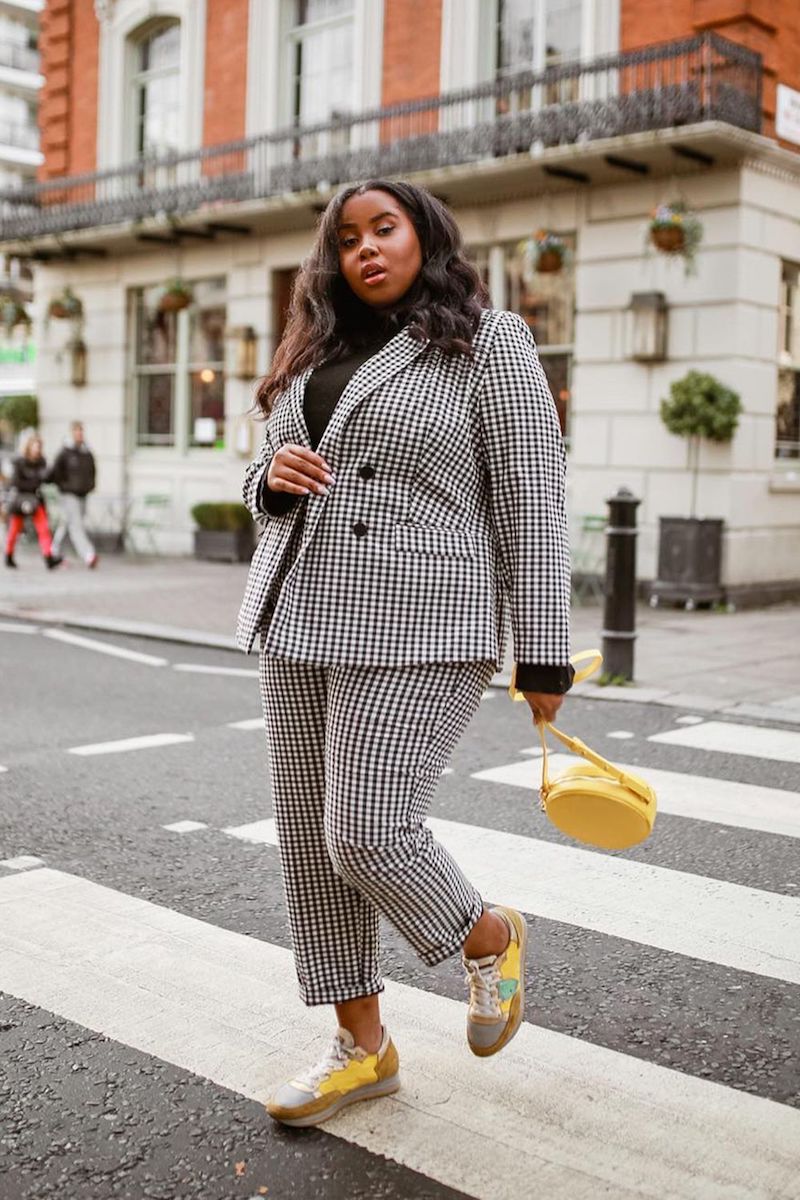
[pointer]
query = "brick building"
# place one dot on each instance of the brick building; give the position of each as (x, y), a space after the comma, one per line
(198, 139)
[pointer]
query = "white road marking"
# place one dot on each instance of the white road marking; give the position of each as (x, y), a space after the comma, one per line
(622, 734)
(13, 627)
(74, 639)
(745, 805)
(23, 862)
(184, 826)
(250, 723)
(447, 771)
(689, 720)
(3, 769)
(604, 1123)
(202, 669)
(147, 742)
(720, 922)
(754, 741)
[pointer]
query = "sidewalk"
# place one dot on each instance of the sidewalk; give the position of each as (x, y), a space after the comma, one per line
(744, 663)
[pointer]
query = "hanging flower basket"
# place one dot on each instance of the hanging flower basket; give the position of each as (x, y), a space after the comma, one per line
(13, 314)
(176, 295)
(674, 230)
(543, 254)
(65, 306)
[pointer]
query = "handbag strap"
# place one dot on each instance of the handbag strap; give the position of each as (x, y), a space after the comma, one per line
(578, 747)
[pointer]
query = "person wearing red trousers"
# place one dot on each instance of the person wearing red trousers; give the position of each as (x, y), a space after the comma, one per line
(30, 471)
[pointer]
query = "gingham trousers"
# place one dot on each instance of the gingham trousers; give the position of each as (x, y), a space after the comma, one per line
(355, 755)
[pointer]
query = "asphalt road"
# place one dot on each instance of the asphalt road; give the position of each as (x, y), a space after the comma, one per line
(86, 1116)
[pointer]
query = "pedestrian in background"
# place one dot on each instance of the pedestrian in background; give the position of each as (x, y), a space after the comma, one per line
(74, 473)
(25, 501)
(412, 477)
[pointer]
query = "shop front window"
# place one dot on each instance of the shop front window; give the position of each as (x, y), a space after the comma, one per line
(179, 372)
(787, 420)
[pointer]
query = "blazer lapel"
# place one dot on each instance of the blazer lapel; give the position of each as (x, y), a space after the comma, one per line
(395, 355)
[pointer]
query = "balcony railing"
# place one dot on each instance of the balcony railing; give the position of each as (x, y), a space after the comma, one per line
(678, 83)
(20, 58)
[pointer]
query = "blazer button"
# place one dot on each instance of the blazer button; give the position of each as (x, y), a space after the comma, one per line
(359, 529)
(367, 472)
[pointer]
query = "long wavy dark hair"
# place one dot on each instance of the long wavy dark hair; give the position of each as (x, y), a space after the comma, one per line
(326, 319)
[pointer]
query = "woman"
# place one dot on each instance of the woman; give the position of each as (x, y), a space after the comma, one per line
(30, 472)
(412, 477)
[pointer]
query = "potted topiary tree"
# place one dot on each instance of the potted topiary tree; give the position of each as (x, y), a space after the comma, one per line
(224, 532)
(690, 548)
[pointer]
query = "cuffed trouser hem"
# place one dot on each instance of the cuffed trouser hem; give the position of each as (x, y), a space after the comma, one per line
(440, 954)
(315, 996)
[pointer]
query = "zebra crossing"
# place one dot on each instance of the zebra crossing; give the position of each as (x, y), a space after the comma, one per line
(557, 1115)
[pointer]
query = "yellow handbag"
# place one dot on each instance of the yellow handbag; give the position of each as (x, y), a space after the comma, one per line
(594, 802)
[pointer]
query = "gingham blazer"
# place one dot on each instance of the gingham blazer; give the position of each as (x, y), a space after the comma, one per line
(448, 506)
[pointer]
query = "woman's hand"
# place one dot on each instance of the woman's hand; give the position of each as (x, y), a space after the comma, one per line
(298, 470)
(543, 705)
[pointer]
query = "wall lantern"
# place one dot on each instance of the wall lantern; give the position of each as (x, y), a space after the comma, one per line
(77, 357)
(245, 345)
(648, 326)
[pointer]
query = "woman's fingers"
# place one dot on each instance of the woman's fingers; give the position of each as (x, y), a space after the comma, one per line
(299, 470)
(544, 705)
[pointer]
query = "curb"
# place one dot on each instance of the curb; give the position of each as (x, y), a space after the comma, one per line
(782, 714)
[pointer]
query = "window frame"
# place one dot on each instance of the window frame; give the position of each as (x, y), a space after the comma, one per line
(181, 369)
(138, 78)
(788, 355)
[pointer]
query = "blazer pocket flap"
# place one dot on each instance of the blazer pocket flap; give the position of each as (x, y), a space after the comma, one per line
(444, 543)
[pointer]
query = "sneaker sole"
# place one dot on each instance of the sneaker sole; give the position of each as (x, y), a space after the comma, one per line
(372, 1091)
(518, 1003)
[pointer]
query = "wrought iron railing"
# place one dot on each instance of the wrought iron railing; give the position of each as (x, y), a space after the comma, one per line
(21, 58)
(677, 83)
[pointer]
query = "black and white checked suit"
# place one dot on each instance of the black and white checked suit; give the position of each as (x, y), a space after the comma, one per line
(381, 613)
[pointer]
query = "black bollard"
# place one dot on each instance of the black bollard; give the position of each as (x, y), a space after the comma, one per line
(619, 614)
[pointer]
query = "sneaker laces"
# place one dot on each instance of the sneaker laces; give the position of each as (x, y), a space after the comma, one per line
(335, 1058)
(483, 976)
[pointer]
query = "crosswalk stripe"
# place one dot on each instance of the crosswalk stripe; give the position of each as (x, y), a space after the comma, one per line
(146, 742)
(73, 639)
(250, 723)
(15, 627)
(754, 741)
(720, 922)
(745, 805)
(579, 1119)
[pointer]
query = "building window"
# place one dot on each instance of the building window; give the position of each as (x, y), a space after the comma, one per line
(547, 304)
(322, 76)
(179, 371)
(530, 35)
(157, 91)
(787, 431)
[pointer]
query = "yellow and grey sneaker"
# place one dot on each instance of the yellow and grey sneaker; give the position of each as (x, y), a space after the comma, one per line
(343, 1075)
(497, 990)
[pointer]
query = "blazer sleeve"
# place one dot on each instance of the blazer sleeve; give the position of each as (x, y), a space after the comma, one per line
(258, 497)
(526, 465)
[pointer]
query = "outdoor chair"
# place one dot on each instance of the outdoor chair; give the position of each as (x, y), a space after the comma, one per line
(588, 554)
(146, 517)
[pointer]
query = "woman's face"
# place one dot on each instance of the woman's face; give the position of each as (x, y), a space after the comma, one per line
(34, 449)
(379, 251)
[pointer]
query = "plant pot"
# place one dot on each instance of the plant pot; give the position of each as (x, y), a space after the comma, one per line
(174, 301)
(224, 545)
(689, 561)
(549, 261)
(669, 238)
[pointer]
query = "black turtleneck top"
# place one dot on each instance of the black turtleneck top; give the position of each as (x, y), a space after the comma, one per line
(323, 391)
